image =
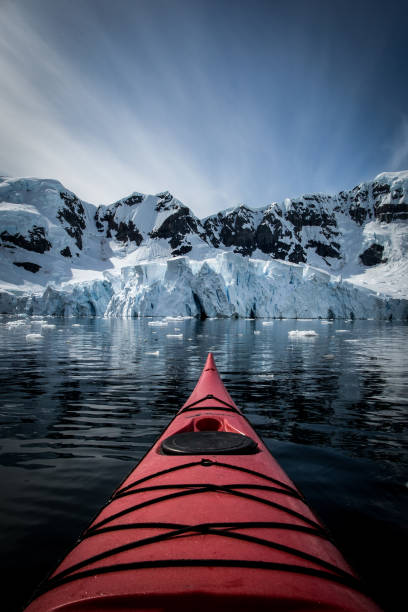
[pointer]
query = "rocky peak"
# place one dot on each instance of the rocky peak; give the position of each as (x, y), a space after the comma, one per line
(42, 215)
(163, 202)
(390, 196)
(72, 217)
(178, 227)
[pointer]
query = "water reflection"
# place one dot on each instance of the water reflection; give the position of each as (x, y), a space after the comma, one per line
(79, 408)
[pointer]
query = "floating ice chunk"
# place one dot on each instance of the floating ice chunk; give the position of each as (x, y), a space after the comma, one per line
(328, 356)
(48, 326)
(158, 323)
(174, 335)
(155, 353)
(12, 324)
(264, 376)
(342, 331)
(326, 322)
(39, 322)
(306, 333)
(256, 332)
(76, 325)
(176, 329)
(267, 322)
(34, 337)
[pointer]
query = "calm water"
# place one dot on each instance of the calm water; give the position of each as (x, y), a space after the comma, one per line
(82, 405)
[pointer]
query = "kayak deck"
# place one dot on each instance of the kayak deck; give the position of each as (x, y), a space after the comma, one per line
(208, 517)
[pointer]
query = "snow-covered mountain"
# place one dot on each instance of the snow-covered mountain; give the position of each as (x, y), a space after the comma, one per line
(317, 255)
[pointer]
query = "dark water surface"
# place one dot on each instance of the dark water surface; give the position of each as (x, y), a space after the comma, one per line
(79, 407)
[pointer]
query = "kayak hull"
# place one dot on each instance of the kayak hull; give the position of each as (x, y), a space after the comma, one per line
(190, 529)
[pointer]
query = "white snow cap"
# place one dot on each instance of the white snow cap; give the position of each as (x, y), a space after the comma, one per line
(66, 257)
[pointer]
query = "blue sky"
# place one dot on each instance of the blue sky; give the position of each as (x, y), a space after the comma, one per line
(221, 102)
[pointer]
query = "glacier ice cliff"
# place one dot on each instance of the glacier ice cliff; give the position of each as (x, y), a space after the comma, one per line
(231, 285)
(228, 285)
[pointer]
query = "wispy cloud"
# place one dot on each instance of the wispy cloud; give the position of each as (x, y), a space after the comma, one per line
(57, 122)
(217, 104)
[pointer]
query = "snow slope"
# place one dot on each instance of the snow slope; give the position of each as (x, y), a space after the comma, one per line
(318, 255)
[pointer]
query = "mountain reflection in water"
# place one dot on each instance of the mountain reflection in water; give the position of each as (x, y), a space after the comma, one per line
(80, 407)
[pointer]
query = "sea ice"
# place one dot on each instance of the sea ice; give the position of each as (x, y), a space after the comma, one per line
(158, 323)
(19, 323)
(307, 333)
(34, 337)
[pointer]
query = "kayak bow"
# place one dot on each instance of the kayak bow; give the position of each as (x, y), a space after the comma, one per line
(207, 518)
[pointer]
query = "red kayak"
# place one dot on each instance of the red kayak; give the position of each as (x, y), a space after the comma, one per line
(207, 520)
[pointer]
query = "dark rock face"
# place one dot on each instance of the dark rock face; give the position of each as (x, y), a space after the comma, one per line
(164, 199)
(380, 189)
(389, 205)
(325, 250)
(278, 232)
(298, 255)
(268, 237)
(27, 265)
(391, 212)
(35, 241)
(124, 232)
(133, 199)
(211, 228)
(73, 214)
(66, 252)
(128, 232)
(301, 215)
(238, 230)
(99, 225)
(176, 227)
(358, 211)
(373, 255)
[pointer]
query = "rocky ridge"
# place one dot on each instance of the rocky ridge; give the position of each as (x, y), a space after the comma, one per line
(47, 232)
(298, 230)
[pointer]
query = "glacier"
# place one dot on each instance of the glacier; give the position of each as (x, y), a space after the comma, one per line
(227, 285)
